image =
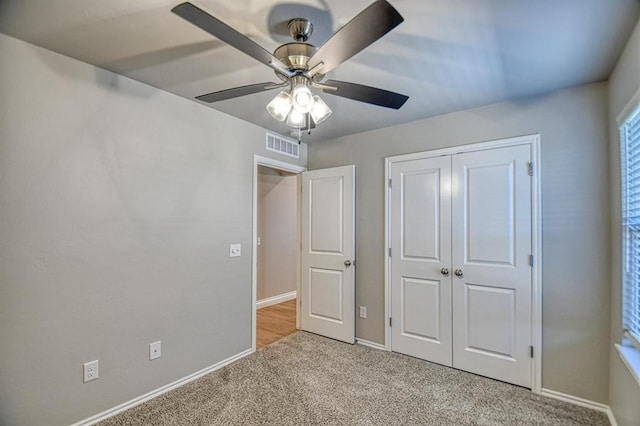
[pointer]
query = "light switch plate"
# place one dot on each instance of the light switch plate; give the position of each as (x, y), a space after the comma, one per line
(235, 250)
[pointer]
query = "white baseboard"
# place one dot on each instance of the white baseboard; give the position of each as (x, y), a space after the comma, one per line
(166, 388)
(580, 401)
(371, 344)
(276, 299)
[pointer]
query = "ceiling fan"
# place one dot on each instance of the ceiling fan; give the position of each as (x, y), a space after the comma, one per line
(301, 66)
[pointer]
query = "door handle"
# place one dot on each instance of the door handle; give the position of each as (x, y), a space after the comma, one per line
(444, 271)
(347, 263)
(458, 273)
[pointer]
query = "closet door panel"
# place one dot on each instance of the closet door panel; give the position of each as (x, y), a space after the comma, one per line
(491, 245)
(421, 248)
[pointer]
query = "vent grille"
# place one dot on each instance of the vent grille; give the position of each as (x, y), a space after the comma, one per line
(282, 145)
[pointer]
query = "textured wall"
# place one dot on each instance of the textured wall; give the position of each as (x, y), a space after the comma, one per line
(278, 232)
(575, 233)
(117, 205)
(624, 393)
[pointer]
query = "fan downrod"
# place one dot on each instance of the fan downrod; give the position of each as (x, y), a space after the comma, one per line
(300, 29)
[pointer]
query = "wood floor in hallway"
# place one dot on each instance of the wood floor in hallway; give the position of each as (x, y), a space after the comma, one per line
(275, 322)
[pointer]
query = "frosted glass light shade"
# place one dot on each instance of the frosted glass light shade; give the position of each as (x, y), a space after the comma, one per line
(280, 106)
(320, 110)
(296, 118)
(302, 98)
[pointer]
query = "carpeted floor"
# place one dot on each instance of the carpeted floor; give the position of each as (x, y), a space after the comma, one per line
(306, 379)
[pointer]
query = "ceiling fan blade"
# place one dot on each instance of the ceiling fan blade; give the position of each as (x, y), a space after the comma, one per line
(237, 92)
(224, 32)
(359, 33)
(367, 94)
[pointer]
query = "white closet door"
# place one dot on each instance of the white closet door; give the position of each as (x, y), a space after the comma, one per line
(491, 234)
(328, 250)
(421, 248)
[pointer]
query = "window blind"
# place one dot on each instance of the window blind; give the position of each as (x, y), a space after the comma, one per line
(630, 144)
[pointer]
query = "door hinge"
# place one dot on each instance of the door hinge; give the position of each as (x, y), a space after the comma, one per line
(530, 169)
(389, 321)
(531, 351)
(390, 184)
(531, 260)
(389, 251)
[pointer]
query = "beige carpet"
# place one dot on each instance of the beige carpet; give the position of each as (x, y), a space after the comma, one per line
(305, 379)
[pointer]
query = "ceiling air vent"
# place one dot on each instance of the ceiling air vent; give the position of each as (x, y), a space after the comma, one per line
(282, 145)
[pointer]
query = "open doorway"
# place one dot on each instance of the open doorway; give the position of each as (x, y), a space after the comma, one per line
(276, 251)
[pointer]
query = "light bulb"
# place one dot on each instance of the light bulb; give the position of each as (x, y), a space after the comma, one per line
(320, 110)
(302, 98)
(296, 118)
(280, 106)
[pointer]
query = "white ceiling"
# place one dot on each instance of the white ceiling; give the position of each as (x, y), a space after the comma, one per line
(447, 55)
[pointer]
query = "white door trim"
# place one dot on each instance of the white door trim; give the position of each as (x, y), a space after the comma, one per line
(287, 167)
(536, 238)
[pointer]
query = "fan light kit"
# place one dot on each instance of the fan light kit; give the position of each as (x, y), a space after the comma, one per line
(302, 67)
(296, 108)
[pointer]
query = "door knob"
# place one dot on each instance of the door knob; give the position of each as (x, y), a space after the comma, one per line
(347, 263)
(458, 273)
(444, 271)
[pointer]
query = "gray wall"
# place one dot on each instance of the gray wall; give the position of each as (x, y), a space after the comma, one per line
(624, 392)
(117, 205)
(278, 232)
(573, 128)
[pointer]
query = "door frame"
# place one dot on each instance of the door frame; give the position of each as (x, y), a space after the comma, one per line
(287, 167)
(536, 236)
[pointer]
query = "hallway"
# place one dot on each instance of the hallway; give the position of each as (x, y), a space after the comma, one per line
(275, 322)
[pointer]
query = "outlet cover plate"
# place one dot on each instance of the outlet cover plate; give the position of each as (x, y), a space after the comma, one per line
(155, 350)
(90, 371)
(363, 312)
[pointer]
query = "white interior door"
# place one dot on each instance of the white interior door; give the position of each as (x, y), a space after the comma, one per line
(421, 252)
(469, 213)
(328, 253)
(491, 228)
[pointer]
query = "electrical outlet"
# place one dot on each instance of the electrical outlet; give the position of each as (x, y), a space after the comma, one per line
(155, 350)
(258, 241)
(90, 370)
(235, 250)
(363, 312)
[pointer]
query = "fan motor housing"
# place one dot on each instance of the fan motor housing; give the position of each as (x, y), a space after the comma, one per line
(296, 57)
